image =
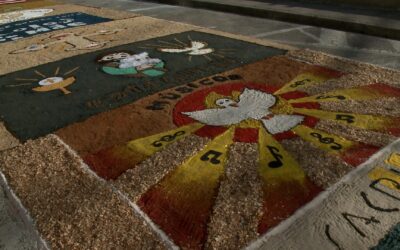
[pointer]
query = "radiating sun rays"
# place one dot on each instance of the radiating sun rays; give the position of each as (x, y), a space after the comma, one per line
(186, 196)
(48, 83)
(191, 48)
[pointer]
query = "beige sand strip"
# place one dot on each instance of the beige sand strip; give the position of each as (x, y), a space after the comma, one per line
(389, 76)
(343, 82)
(238, 205)
(323, 169)
(48, 48)
(353, 215)
(138, 180)
(6, 139)
(95, 11)
(71, 207)
(389, 106)
(355, 134)
(31, 4)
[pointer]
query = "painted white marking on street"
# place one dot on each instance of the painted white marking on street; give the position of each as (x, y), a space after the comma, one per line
(279, 31)
(317, 39)
(154, 8)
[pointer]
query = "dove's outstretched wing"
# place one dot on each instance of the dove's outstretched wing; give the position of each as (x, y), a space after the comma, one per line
(256, 103)
(197, 45)
(215, 117)
(281, 123)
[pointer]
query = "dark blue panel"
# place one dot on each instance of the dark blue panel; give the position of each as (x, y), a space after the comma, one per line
(21, 29)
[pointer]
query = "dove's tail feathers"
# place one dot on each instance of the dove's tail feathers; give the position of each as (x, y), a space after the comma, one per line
(281, 123)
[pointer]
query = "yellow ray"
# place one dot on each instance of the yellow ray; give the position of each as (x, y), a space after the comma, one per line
(328, 142)
(300, 81)
(394, 160)
(182, 202)
(355, 120)
(275, 163)
(386, 175)
(361, 93)
(208, 164)
(149, 145)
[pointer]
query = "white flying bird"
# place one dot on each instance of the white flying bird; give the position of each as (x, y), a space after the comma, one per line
(253, 104)
(196, 48)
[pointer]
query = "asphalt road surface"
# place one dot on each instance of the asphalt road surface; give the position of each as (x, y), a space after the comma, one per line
(375, 50)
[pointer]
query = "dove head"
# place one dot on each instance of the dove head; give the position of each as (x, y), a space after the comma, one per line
(226, 102)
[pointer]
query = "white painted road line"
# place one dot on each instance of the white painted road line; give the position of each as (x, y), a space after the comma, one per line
(279, 31)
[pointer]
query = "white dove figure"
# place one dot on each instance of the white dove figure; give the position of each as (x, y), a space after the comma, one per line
(196, 48)
(253, 104)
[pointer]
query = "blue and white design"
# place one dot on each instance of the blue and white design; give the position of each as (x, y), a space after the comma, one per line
(27, 28)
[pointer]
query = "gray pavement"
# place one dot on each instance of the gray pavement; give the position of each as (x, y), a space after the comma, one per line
(370, 21)
(370, 49)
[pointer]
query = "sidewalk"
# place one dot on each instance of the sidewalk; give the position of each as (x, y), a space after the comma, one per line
(376, 22)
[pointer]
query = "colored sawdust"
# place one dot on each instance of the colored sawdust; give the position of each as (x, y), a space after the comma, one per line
(346, 65)
(356, 134)
(343, 82)
(173, 203)
(198, 200)
(134, 29)
(136, 181)
(383, 106)
(99, 131)
(323, 169)
(356, 215)
(72, 209)
(237, 210)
